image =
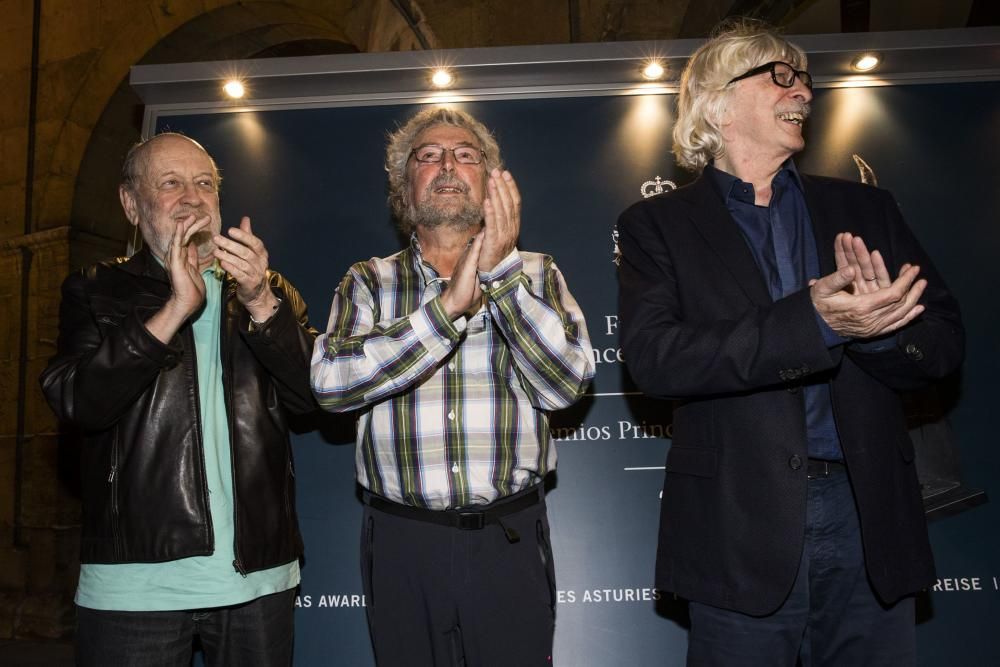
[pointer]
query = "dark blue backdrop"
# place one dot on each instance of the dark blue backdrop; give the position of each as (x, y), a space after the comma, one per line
(313, 183)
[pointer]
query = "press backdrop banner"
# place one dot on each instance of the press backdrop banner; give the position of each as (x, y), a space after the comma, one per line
(313, 183)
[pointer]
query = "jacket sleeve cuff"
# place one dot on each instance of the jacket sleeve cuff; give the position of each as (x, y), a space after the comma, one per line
(142, 343)
(830, 337)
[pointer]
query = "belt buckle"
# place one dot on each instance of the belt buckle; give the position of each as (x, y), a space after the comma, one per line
(822, 472)
(471, 520)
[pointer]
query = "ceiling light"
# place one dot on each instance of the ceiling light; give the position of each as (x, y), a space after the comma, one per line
(234, 89)
(441, 78)
(866, 62)
(653, 70)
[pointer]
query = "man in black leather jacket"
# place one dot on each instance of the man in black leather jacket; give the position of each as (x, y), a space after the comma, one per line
(178, 366)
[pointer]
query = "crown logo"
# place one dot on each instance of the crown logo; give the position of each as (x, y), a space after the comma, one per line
(656, 186)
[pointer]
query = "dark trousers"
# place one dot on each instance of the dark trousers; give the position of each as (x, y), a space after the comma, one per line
(255, 634)
(831, 617)
(438, 596)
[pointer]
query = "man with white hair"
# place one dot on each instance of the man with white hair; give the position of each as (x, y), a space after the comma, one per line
(791, 515)
(454, 350)
(179, 366)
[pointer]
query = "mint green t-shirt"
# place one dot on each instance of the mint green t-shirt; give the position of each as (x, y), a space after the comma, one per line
(200, 581)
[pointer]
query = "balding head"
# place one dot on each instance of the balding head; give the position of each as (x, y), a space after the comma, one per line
(136, 165)
(166, 180)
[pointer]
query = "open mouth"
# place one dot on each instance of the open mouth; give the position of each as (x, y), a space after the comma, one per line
(793, 117)
(447, 184)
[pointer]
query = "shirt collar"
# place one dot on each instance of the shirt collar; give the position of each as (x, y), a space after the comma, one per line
(206, 273)
(730, 187)
(426, 270)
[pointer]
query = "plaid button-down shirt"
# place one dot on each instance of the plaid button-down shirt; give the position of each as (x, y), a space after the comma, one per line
(452, 413)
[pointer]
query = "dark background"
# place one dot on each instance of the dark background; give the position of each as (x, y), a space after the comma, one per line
(313, 183)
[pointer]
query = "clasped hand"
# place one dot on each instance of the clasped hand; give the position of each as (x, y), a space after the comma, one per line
(496, 240)
(241, 254)
(859, 299)
(244, 257)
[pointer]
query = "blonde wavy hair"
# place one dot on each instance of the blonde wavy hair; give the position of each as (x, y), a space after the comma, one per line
(735, 47)
(400, 143)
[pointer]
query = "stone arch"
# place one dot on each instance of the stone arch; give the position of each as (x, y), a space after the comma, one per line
(236, 31)
(87, 116)
(233, 32)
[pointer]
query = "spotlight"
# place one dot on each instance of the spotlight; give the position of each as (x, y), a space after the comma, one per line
(234, 89)
(866, 62)
(653, 70)
(441, 78)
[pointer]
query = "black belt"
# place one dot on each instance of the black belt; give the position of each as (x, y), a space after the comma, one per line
(463, 518)
(817, 468)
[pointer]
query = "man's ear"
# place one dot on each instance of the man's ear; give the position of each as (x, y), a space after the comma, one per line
(129, 204)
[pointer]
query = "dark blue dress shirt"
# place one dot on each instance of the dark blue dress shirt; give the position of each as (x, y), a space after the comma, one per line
(781, 240)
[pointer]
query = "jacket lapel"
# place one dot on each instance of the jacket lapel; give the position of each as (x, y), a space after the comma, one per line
(711, 218)
(823, 232)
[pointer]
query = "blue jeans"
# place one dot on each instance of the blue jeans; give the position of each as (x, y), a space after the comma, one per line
(258, 633)
(831, 616)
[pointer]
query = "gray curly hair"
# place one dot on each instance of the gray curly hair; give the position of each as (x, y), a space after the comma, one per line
(400, 143)
(735, 47)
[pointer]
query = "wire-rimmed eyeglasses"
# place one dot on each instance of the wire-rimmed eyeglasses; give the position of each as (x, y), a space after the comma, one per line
(433, 153)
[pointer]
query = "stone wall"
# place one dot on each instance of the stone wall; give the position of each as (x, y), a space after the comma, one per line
(86, 118)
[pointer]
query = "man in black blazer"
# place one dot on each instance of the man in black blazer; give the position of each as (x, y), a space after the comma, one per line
(791, 515)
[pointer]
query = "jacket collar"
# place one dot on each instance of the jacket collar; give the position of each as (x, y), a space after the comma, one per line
(143, 264)
(710, 217)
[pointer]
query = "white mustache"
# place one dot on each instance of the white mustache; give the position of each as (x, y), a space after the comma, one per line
(804, 108)
(185, 211)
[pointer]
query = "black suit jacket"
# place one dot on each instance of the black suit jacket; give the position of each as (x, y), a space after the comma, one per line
(698, 324)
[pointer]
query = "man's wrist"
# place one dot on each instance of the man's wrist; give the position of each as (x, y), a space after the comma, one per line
(259, 320)
(264, 306)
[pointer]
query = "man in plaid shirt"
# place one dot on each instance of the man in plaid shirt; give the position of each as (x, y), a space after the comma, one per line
(453, 351)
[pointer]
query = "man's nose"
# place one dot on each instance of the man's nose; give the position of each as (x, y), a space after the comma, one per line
(191, 193)
(801, 91)
(448, 160)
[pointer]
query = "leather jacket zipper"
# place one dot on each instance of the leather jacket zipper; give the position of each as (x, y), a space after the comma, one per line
(288, 485)
(227, 392)
(188, 333)
(113, 490)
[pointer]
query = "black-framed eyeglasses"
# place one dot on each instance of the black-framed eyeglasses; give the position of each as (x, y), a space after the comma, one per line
(782, 74)
(432, 154)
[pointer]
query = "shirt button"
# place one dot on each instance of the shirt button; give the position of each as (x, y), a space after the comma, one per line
(454, 468)
(451, 366)
(451, 415)
(795, 462)
(482, 286)
(496, 284)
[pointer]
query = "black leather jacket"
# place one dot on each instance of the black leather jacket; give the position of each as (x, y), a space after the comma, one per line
(135, 400)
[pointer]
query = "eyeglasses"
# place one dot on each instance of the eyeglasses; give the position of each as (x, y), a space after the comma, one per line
(432, 154)
(782, 74)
